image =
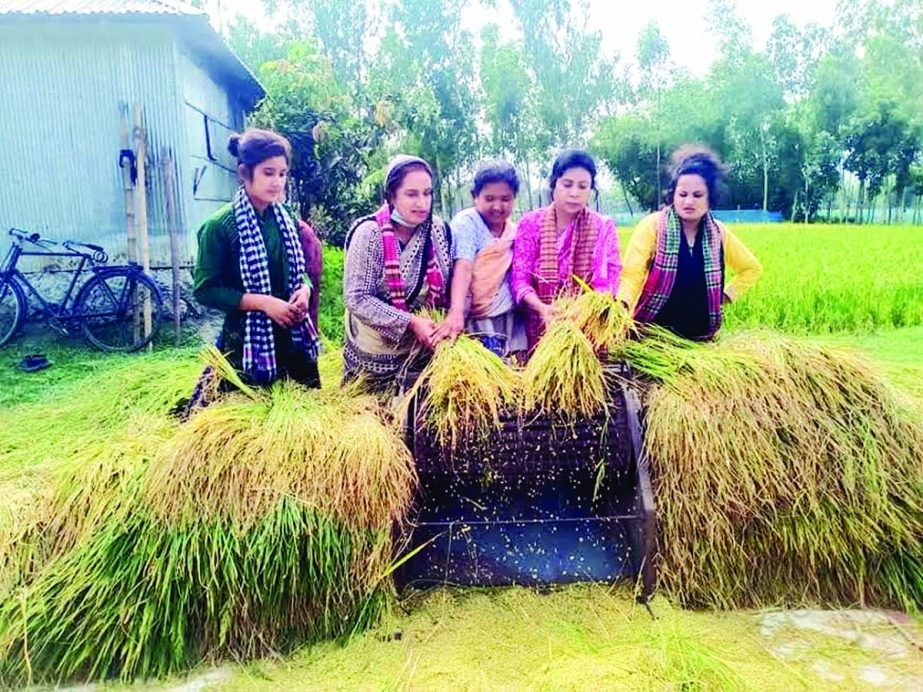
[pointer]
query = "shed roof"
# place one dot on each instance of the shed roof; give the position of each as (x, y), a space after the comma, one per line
(191, 23)
(119, 7)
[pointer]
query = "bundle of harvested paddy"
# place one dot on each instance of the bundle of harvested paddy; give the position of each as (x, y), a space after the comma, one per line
(791, 475)
(564, 377)
(265, 522)
(600, 316)
(463, 391)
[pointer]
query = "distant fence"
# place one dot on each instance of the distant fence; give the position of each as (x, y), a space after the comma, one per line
(748, 216)
(727, 215)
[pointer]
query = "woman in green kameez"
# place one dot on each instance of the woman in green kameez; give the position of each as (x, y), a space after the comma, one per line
(251, 266)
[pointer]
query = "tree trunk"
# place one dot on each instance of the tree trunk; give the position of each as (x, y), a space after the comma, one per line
(627, 201)
(442, 184)
(888, 198)
(860, 213)
(765, 171)
(657, 189)
(529, 183)
(806, 210)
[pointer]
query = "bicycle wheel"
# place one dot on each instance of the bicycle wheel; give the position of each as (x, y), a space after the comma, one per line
(119, 310)
(12, 309)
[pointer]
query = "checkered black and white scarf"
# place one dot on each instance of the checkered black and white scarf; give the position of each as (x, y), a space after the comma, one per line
(259, 357)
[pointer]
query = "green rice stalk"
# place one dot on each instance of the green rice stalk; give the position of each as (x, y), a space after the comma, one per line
(78, 495)
(140, 599)
(262, 524)
(564, 377)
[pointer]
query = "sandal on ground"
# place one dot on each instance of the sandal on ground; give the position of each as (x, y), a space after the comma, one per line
(34, 362)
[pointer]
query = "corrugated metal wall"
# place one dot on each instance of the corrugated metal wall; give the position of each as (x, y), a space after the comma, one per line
(210, 115)
(63, 85)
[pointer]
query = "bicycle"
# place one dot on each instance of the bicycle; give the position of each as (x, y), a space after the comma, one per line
(119, 308)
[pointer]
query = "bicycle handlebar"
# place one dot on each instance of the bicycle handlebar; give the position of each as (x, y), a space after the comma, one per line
(96, 252)
(22, 235)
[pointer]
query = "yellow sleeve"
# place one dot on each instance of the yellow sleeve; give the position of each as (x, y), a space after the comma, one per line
(746, 267)
(637, 261)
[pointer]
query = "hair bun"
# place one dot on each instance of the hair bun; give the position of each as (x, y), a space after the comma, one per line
(234, 145)
(695, 156)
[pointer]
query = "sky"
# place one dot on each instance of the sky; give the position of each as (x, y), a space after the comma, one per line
(682, 22)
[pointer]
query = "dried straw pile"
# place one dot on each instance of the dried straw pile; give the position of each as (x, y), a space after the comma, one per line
(263, 523)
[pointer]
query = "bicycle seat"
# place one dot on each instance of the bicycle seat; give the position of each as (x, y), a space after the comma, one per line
(88, 246)
(98, 252)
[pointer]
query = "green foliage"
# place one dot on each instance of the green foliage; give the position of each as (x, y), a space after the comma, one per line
(784, 116)
(332, 146)
(330, 311)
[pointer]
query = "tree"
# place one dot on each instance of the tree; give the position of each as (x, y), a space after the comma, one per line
(331, 147)
(751, 102)
(342, 26)
(878, 142)
(653, 54)
(820, 172)
(507, 94)
(795, 54)
(423, 81)
(572, 80)
(630, 150)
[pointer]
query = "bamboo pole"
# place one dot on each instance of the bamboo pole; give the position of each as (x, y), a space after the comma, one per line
(170, 213)
(128, 184)
(143, 237)
(128, 163)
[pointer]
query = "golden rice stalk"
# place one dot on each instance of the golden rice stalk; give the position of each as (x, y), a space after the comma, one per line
(330, 367)
(240, 457)
(564, 377)
(785, 472)
(223, 368)
(601, 317)
(463, 391)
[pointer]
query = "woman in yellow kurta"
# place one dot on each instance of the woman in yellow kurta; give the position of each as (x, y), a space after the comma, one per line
(674, 270)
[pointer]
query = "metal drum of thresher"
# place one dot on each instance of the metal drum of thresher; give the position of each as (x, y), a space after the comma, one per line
(540, 501)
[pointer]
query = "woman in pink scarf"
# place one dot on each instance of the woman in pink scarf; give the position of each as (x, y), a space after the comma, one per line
(561, 242)
(397, 263)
